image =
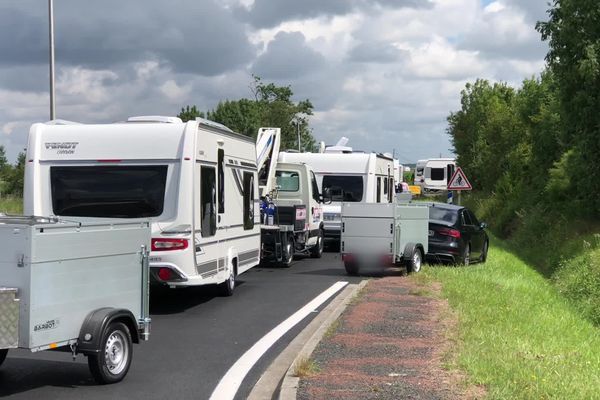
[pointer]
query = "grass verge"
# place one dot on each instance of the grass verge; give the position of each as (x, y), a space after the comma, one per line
(517, 335)
(305, 367)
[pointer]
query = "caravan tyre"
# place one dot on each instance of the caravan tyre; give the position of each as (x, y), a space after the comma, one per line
(112, 362)
(226, 288)
(317, 250)
(3, 354)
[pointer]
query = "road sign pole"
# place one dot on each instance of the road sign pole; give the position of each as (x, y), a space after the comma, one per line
(458, 200)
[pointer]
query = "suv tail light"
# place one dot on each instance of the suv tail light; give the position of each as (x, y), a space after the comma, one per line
(449, 232)
(160, 244)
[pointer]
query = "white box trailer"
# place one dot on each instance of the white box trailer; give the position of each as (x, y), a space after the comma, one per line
(392, 234)
(350, 177)
(195, 181)
(80, 287)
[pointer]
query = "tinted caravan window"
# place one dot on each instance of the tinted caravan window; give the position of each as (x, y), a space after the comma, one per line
(344, 188)
(221, 173)
(248, 200)
(208, 201)
(437, 174)
(108, 191)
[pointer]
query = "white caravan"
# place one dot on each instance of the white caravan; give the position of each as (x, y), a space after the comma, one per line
(436, 174)
(195, 181)
(419, 172)
(349, 177)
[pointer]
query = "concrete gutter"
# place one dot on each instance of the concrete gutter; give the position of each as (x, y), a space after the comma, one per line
(282, 368)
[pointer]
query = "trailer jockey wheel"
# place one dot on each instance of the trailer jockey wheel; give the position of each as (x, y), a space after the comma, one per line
(3, 354)
(112, 362)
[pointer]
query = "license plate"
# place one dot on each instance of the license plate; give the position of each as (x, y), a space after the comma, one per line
(431, 232)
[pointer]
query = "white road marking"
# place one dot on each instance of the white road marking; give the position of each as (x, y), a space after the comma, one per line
(231, 381)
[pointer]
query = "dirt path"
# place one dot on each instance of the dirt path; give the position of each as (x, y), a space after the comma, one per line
(387, 345)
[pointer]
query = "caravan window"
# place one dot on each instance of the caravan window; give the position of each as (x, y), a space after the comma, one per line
(221, 180)
(248, 200)
(344, 188)
(208, 201)
(287, 181)
(378, 190)
(437, 174)
(122, 191)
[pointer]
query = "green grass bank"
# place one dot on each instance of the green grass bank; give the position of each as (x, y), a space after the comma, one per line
(517, 335)
(11, 205)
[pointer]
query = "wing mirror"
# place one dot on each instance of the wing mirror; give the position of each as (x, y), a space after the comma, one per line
(483, 225)
(326, 196)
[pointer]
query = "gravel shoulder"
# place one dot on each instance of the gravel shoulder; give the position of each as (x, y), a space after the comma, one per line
(388, 344)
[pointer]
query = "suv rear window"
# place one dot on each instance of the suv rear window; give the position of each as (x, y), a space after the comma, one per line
(108, 191)
(344, 188)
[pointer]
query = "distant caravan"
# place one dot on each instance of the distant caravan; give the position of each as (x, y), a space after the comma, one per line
(195, 181)
(433, 174)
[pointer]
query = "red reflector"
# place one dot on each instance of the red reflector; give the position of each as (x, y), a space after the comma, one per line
(449, 232)
(347, 257)
(169, 244)
(108, 161)
(164, 274)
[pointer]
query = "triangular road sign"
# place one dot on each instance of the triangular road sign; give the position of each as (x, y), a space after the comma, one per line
(459, 181)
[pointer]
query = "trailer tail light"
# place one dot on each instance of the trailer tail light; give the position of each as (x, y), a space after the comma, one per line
(347, 257)
(449, 232)
(160, 244)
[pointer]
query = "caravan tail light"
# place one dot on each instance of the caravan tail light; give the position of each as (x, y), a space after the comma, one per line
(169, 244)
(449, 232)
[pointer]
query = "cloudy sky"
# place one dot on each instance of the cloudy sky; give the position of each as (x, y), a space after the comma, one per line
(384, 73)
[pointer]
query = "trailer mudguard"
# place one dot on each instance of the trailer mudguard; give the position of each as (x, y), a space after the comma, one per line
(97, 321)
(409, 250)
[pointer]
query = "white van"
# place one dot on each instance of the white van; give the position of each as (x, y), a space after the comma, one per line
(196, 182)
(348, 177)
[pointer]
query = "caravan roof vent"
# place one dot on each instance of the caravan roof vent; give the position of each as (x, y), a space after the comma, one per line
(61, 122)
(155, 118)
(208, 122)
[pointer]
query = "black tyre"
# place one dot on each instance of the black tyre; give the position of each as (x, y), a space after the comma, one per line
(288, 252)
(226, 288)
(317, 249)
(484, 252)
(351, 268)
(3, 354)
(415, 262)
(112, 363)
(466, 257)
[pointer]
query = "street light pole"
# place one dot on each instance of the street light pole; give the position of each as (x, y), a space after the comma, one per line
(51, 35)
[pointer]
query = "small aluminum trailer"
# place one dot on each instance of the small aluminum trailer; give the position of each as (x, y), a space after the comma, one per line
(394, 234)
(75, 286)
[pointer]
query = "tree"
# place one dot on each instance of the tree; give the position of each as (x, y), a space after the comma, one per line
(574, 59)
(189, 113)
(272, 106)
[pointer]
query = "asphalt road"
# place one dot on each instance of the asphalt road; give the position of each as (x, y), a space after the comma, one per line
(196, 337)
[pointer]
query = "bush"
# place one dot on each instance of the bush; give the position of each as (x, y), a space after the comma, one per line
(578, 279)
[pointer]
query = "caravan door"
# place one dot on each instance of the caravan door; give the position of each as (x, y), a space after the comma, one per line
(206, 244)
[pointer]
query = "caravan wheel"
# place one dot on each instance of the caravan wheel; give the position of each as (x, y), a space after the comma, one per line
(112, 362)
(288, 252)
(3, 354)
(226, 288)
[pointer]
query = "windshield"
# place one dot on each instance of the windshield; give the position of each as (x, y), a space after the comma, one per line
(108, 191)
(344, 188)
(441, 214)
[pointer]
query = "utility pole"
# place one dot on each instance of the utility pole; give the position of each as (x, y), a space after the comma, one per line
(51, 35)
(298, 131)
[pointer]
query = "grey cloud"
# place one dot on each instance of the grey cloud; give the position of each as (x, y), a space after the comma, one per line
(375, 52)
(270, 13)
(200, 36)
(288, 57)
